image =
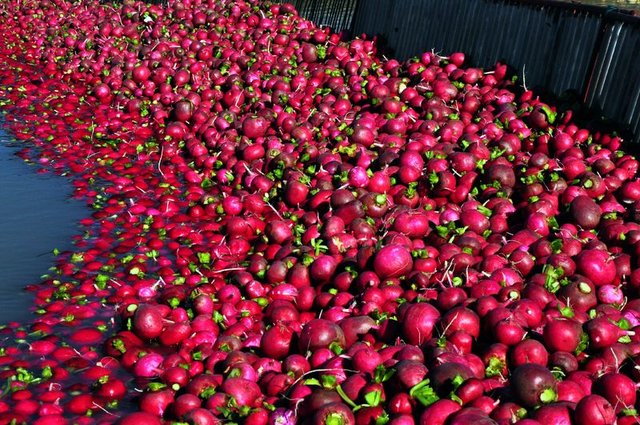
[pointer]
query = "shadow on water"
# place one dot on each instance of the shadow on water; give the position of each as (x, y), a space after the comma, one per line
(37, 215)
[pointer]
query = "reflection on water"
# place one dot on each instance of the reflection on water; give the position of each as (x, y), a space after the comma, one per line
(621, 4)
(36, 216)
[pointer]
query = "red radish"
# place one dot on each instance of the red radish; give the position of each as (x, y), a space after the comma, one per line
(418, 322)
(276, 341)
(148, 365)
(439, 412)
(597, 265)
(139, 418)
(147, 321)
(156, 403)
(563, 335)
(618, 389)
(595, 410)
(254, 127)
(282, 216)
(554, 413)
(393, 261)
(529, 351)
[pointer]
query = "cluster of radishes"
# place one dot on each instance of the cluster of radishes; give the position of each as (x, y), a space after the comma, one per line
(287, 229)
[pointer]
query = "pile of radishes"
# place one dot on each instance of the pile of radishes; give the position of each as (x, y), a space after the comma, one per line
(288, 229)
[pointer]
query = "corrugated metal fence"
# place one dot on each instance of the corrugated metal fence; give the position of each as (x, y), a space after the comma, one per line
(591, 51)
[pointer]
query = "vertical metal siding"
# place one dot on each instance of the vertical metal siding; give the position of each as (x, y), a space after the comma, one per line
(615, 85)
(338, 14)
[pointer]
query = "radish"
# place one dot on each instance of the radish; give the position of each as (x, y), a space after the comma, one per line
(138, 418)
(410, 373)
(595, 410)
(597, 266)
(334, 413)
(320, 333)
(156, 403)
(148, 365)
(418, 322)
(534, 385)
(618, 389)
(563, 335)
(529, 351)
(244, 392)
(276, 341)
(439, 412)
(392, 261)
(555, 413)
(283, 219)
(147, 322)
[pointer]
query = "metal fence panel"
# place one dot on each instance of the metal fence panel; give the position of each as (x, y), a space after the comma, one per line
(337, 14)
(615, 86)
(372, 17)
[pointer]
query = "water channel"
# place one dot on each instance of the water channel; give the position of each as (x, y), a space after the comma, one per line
(37, 215)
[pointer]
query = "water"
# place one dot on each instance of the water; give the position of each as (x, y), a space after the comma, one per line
(37, 215)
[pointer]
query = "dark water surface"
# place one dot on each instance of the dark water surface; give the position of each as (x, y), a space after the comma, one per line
(37, 215)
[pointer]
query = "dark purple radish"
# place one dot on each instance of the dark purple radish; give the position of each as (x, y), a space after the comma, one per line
(355, 326)
(471, 416)
(183, 110)
(320, 333)
(334, 414)
(502, 174)
(585, 212)
(580, 294)
(594, 410)
(446, 377)
(533, 385)
(314, 400)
